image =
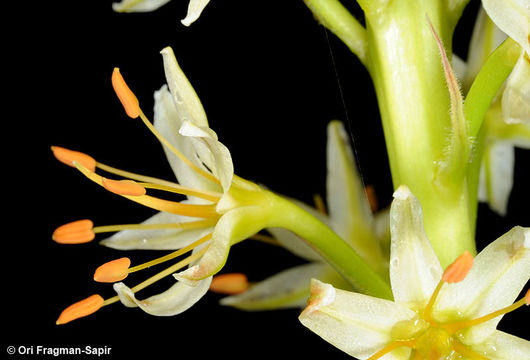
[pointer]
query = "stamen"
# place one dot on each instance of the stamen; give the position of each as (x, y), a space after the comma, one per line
(319, 203)
(456, 326)
(458, 270)
(203, 211)
(454, 273)
(467, 352)
(69, 156)
(372, 197)
(391, 346)
(112, 271)
(181, 225)
(123, 187)
(265, 239)
(128, 99)
(229, 284)
(172, 255)
(76, 232)
(81, 308)
(215, 197)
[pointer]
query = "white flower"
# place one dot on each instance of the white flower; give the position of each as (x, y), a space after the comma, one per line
(195, 7)
(435, 314)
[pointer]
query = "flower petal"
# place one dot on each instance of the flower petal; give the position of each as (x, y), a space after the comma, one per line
(138, 5)
(287, 289)
(503, 346)
(359, 325)
(195, 9)
(512, 17)
(167, 239)
(516, 95)
(498, 275)
(294, 244)
(210, 151)
(414, 267)
(168, 121)
(177, 299)
(188, 104)
(234, 226)
(349, 210)
(497, 175)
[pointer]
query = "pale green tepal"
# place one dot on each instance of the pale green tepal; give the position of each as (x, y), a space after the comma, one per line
(349, 216)
(432, 316)
(195, 7)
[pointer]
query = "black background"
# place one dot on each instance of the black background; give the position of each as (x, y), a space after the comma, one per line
(268, 77)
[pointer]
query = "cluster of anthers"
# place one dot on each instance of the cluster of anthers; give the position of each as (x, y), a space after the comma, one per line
(432, 339)
(133, 187)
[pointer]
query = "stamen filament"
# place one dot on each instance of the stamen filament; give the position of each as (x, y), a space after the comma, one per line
(160, 275)
(391, 346)
(265, 239)
(203, 211)
(182, 225)
(456, 326)
(427, 311)
(467, 352)
(167, 185)
(175, 151)
(172, 255)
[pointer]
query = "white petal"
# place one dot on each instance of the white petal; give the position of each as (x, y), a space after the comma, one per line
(188, 104)
(177, 299)
(498, 174)
(414, 267)
(359, 325)
(167, 239)
(516, 95)
(234, 226)
(138, 5)
(211, 152)
(503, 346)
(294, 244)
(287, 289)
(348, 205)
(498, 275)
(195, 9)
(512, 17)
(168, 121)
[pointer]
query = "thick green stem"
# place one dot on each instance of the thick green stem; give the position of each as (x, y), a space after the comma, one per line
(406, 68)
(332, 248)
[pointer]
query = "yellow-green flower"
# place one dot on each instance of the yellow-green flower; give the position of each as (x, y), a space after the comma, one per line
(195, 7)
(435, 314)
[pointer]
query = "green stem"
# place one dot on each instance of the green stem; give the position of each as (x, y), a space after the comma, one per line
(332, 248)
(488, 82)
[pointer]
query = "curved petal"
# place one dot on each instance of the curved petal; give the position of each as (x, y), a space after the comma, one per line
(210, 151)
(294, 244)
(359, 325)
(138, 5)
(512, 17)
(287, 289)
(168, 121)
(195, 9)
(188, 104)
(503, 346)
(498, 275)
(234, 226)
(414, 267)
(348, 205)
(177, 299)
(167, 239)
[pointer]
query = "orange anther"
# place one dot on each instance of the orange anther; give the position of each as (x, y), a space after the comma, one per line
(128, 99)
(81, 308)
(458, 270)
(233, 283)
(76, 232)
(372, 197)
(527, 297)
(69, 156)
(113, 271)
(123, 187)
